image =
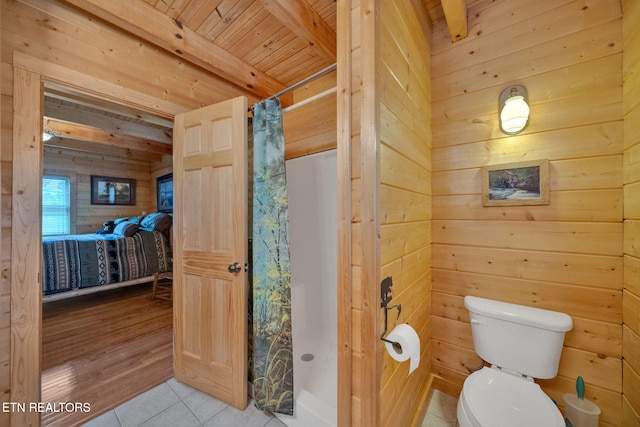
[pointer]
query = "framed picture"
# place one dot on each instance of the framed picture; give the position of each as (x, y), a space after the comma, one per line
(164, 193)
(516, 184)
(107, 190)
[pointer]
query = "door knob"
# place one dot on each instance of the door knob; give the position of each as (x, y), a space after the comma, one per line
(234, 268)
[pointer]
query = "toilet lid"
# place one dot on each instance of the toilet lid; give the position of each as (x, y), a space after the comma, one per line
(498, 399)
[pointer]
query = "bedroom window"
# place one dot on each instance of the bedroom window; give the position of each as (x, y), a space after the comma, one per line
(56, 205)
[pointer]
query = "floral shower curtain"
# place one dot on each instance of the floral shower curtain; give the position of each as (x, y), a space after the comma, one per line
(272, 337)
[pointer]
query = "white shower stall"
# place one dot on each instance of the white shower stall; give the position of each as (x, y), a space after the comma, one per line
(312, 190)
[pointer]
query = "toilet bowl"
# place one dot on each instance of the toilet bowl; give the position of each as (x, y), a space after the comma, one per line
(494, 398)
(521, 343)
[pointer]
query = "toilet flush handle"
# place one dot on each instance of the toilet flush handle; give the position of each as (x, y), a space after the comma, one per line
(482, 322)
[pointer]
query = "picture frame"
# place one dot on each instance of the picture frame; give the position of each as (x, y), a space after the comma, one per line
(164, 193)
(516, 184)
(109, 190)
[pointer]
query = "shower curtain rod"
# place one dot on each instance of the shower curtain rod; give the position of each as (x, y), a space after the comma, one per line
(309, 100)
(303, 82)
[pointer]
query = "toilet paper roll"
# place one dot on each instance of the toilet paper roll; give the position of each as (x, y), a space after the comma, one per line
(408, 347)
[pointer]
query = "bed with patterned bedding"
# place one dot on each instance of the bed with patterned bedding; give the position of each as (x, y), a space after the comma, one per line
(84, 263)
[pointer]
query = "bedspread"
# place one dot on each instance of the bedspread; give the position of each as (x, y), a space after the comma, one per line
(88, 260)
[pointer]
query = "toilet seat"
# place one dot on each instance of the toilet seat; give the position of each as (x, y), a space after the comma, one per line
(492, 398)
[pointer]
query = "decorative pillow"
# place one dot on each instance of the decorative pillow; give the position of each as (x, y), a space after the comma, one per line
(136, 219)
(109, 226)
(126, 229)
(158, 221)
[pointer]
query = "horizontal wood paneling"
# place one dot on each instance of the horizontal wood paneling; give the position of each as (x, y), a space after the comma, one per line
(517, 36)
(404, 195)
(581, 301)
(593, 140)
(596, 238)
(607, 400)
(631, 174)
(591, 173)
(586, 205)
(577, 95)
(89, 218)
(632, 386)
(546, 55)
(311, 128)
(566, 256)
(578, 269)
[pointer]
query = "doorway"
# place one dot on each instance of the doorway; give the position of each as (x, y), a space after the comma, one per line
(31, 75)
(104, 348)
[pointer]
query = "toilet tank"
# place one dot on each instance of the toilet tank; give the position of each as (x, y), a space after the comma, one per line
(523, 339)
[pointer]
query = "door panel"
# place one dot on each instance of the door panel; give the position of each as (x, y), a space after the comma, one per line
(210, 233)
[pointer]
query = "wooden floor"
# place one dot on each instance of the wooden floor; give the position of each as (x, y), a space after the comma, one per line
(104, 349)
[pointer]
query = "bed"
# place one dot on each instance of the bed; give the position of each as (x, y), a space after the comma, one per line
(135, 251)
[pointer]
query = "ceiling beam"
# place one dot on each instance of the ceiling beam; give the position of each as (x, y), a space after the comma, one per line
(61, 145)
(86, 133)
(306, 23)
(120, 124)
(455, 12)
(88, 101)
(148, 23)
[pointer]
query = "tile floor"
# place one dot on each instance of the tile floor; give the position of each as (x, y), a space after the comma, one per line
(441, 411)
(175, 404)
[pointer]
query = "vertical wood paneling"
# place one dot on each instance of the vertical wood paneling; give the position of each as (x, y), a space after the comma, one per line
(25, 246)
(369, 199)
(348, 283)
(526, 255)
(631, 173)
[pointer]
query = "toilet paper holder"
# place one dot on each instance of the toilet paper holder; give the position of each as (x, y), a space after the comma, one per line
(385, 299)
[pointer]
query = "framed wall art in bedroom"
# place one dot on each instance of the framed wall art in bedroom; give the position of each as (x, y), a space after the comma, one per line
(108, 190)
(164, 193)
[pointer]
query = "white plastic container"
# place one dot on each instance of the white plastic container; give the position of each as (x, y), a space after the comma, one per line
(580, 412)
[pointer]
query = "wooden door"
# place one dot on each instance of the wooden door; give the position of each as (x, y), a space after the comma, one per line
(210, 235)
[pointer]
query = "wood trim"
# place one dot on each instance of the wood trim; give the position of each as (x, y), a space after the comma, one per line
(26, 305)
(343, 95)
(370, 223)
(91, 86)
(30, 75)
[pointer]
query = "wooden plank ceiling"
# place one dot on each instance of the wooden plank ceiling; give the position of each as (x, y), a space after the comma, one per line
(261, 46)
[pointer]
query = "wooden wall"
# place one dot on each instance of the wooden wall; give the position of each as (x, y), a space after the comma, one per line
(61, 35)
(404, 195)
(79, 166)
(311, 128)
(631, 178)
(566, 256)
(384, 135)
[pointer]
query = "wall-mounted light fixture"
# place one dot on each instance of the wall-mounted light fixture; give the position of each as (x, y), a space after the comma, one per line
(514, 109)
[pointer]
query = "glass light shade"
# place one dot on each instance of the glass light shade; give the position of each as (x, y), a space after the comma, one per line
(515, 114)
(46, 136)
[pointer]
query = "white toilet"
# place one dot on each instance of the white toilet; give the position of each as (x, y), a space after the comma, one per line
(521, 343)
